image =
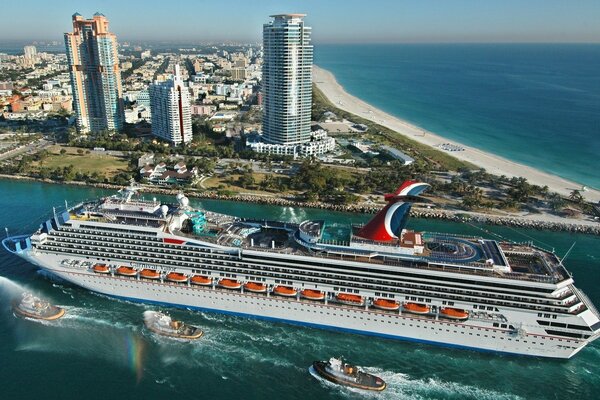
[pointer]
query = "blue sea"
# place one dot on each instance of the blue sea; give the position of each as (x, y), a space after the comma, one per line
(536, 104)
(100, 350)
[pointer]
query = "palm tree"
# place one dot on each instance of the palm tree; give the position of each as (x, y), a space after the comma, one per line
(576, 196)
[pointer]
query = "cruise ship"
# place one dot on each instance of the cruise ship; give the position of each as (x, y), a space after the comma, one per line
(378, 279)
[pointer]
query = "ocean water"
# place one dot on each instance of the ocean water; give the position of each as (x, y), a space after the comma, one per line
(535, 104)
(99, 350)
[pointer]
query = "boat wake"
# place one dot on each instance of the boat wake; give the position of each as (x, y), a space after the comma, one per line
(400, 386)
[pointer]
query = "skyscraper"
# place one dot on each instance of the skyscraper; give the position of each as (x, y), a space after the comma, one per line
(171, 111)
(287, 80)
(95, 75)
(30, 52)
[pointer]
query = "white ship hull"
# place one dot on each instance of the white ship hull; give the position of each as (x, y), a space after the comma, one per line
(318, 314)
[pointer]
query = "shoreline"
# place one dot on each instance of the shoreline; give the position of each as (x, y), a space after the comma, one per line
(416, 212)
(340, 98)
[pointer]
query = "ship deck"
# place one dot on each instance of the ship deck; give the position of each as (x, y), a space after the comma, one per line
(443, 252)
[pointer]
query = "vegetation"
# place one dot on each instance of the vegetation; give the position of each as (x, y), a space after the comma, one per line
(434, 159)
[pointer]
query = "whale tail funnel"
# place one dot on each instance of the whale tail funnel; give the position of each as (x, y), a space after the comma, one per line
(388, 223)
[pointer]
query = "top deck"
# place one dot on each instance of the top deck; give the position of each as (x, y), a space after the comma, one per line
(469, 255)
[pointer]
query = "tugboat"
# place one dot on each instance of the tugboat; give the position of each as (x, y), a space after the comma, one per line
(162, 324)
(32, 307)
(341, 373)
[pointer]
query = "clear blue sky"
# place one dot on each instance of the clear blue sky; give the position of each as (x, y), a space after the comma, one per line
(333, 21)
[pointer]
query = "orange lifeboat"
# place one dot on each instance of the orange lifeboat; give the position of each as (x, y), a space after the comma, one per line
(149, 274)
(350, 299)
(285, 291)
(385, 304)
(454, 313)
(230, 284)
(255, 287)
(101, 269)
(176, 277)
(416, 308)
(126, 271)
(312, 294)
(201, 280)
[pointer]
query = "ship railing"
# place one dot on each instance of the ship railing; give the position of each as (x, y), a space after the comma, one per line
(356, 239)
(585, 300)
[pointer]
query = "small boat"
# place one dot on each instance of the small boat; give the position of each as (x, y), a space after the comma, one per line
(149, 274)
(385, 304)
(201, 280)
(126, 271)
(162, 324)
(341, 373)
(255, 287)
(32, 307)
(285, 291)
(312, 294)
(230, 284)
(101, 269)
(350, 299)
(176, 277)
(416, 308)
(454, 313)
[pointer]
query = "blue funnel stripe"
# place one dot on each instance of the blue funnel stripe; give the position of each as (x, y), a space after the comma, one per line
(400, 218)
(417, 190)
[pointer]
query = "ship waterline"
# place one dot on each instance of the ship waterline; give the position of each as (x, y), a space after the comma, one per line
(511, 298)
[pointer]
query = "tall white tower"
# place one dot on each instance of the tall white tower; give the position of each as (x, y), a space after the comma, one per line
(171, 111)
(287, 80)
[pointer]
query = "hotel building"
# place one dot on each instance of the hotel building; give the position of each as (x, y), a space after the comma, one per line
(95, 74)
(171, 111)
(287, 88)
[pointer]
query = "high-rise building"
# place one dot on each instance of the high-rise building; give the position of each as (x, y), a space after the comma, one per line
(95, 75)
(287, 80)
(287, 91)
(171, 111)
(30, 52)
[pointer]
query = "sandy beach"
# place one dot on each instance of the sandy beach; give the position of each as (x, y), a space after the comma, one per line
(335, 92)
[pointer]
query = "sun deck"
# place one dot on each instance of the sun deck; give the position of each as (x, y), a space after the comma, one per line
(440, 252)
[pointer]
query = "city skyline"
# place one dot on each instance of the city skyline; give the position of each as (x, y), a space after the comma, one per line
(396, 21)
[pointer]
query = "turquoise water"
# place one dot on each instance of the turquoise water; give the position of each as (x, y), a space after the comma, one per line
(534, 104)
(99, 350)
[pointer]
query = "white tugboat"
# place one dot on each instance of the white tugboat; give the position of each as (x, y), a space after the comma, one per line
(162, 324)
(33, 307)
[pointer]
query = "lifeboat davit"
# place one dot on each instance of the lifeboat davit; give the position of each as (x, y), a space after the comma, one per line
(312, 294)
(285, 291)
(126, 271)
(416, 308)
(149, 274)
(101, 269)
(385, 304)
(350, 299)
(201, 280)
(454, 313)
(230, 284)
(255, 287)
(176, 277)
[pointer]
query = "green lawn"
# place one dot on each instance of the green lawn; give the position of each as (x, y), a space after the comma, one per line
(85, 163)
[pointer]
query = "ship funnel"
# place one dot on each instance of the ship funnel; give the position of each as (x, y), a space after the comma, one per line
(389, 222)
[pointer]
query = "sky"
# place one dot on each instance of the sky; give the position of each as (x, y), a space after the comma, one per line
(333, 21)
